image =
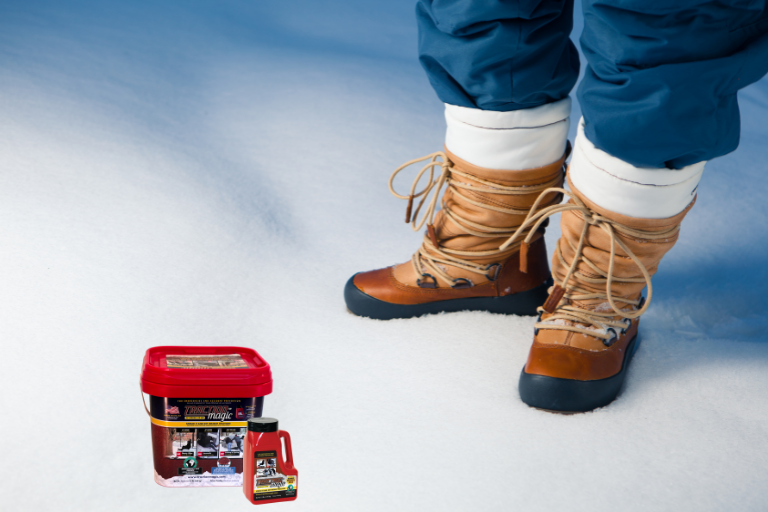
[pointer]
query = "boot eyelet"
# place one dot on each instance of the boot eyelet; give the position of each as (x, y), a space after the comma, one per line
(460, 283)
(496, 267)
(641, 304)
(536, 329)
(423, 284)
(612, 339)
(628, 327)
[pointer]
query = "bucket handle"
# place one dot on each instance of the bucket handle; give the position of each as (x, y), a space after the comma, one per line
(286, 437)
(144, 402)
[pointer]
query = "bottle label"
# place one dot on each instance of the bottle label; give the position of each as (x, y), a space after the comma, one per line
(269, 482)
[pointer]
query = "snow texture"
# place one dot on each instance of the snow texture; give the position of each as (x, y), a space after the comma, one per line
(188, 172)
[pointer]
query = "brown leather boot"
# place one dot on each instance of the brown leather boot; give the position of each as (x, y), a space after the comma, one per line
(587, 329)
(461, 264)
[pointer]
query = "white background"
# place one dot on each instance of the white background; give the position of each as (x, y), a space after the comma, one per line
(212, 172)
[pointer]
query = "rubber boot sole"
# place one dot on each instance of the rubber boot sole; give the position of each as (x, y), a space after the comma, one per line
(522, 303)
(571, 396)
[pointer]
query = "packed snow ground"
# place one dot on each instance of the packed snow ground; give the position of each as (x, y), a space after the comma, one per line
(213, 172)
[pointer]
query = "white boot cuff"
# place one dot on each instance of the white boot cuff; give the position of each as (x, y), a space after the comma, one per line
(622, 188)
(517, 140)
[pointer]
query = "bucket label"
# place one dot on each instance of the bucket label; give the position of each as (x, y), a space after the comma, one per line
(206, 362)
(189, 467)
(208, 443)
(203, 412)
(231, 442)
(269, 483)
(200, 441)
(184, 442)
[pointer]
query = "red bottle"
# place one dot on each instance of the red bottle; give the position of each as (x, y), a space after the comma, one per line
(267, 476)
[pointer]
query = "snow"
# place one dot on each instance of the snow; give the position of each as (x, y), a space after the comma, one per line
(213, 172)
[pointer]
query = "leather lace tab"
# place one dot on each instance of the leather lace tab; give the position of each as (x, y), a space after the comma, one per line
(408, 210)
(432, 234)
(524, 257)
(554, 299)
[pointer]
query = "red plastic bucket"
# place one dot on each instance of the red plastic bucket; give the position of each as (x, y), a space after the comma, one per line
(200, 399)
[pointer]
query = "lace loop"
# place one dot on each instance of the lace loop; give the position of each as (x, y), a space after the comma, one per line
(433, 185)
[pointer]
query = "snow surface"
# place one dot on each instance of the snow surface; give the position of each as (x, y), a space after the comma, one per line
(212, 173)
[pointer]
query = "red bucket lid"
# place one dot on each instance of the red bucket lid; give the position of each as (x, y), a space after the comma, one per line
(205, 372)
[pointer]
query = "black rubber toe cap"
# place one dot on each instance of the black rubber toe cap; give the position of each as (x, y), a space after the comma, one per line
(566, 395)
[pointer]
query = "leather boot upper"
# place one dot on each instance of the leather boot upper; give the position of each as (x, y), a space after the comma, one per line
(461, 254)
(593, 310)
(383, 285)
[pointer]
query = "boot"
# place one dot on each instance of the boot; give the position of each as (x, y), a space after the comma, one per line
(461, 264)
(586, 334)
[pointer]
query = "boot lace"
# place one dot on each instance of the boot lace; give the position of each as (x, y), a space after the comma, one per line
(427, 260)
(563, 313)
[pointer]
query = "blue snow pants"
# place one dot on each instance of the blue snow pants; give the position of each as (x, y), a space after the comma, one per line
(660, 85)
